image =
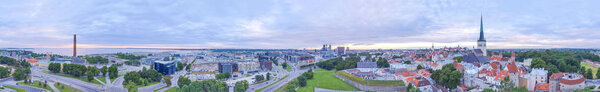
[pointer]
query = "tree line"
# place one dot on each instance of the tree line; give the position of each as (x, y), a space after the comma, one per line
(300, 81)
(339, 64)
(142, 77)
(96, 60)
(554, 61)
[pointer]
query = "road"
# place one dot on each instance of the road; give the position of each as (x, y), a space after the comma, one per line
(291, 75)
(81, 85)
(116, 85)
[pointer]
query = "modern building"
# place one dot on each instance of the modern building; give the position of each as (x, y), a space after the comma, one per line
(165, 67)
(341, 50)
(227, 67)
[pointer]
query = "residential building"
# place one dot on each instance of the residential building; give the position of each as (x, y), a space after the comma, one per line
(366, 64)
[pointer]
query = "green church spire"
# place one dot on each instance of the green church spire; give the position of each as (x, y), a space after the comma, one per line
(481, 37)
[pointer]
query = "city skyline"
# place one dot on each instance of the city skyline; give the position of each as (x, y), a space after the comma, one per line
(299, 24)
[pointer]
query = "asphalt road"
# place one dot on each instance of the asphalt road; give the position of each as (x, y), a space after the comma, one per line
(292, 75)
(81, 85)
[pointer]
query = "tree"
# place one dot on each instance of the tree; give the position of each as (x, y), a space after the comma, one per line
(588, 74)
(284, 65)
(302, 81)
(4, 72)
(410, 86)
(90, 76)
(241, 86)
(308, 75)
(206, 86)
(54, 67)
(458, 59)
(538, 63)
(598, 74)
(259, 78)
(167, 79)
(113, 72)
(179, 66)
(104, 70)
(420, 67)
(21, 73)
(224, 75)
(183, 81)
(383, 63)
(268, 76)
(130, 86)
(132, 77)
(448, 76)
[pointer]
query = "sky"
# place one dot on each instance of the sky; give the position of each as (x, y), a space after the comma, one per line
(297, 24)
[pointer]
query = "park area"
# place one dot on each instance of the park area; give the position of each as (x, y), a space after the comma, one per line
(378, 83)
(587, 65)
(323, 79)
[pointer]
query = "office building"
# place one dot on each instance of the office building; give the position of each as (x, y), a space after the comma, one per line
(165, 67)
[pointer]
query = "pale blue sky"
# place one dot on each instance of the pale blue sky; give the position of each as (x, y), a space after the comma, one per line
(299, 23)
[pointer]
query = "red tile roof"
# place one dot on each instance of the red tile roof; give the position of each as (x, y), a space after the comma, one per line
(572, 82)
(556, 76)
(542, 86)
(512, 68)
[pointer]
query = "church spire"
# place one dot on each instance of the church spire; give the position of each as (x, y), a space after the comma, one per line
(481, 37)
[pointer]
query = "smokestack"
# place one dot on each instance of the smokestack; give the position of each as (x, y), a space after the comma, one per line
(74, 45)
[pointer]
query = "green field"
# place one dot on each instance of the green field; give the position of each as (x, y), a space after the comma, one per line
(17, 89)
(160, 88)
(379, 83)
(113, 79)
(173, 89)
(288, 68)
(66, 88)
(37, 85)
(325, 79)
(103, 79)
(271, 84)
(588, 66)
(82, 78)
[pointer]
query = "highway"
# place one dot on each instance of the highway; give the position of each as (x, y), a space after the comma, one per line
(81, 85)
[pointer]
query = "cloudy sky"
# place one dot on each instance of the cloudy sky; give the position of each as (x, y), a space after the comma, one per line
(360, 24)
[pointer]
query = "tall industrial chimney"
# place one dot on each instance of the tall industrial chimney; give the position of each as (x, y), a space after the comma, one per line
(74, 45)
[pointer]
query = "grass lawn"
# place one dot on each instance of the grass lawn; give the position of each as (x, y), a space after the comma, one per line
(379, 83)
(588, 66)
(160, 88)
(36, 84)
(66, 88)
(82, 78)
(113, 79)
(140, 86)
(325, 79)
(17, 89)
(173, 89)
(103, 79)
(271, 84)
(289, 68)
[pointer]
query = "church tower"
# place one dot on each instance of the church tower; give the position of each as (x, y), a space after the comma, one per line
(481, 42)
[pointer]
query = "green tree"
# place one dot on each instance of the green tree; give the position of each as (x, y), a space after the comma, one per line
(104, 70)
(598, 74)
(90, 76)
(224, 75)
(588, 74)
(268, 76)
(458, 59)
(131, 86)
(448, 76)
(302, 81)
(241, 86)
(113, 72)
(54, 67)
(538, 63)
(21, 73)
(179, 66)
(259, 78)
(383, 63)
(167, 79)
(4, 72)
(420, 67)
(183, 81)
